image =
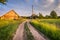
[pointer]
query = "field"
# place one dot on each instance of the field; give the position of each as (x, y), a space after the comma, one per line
(8, 28)
(49, 27)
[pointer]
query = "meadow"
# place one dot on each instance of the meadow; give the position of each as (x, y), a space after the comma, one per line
(8, 28)
(49, 27)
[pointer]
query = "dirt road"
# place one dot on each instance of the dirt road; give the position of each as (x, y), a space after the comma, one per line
(19, 32)
(34, 32)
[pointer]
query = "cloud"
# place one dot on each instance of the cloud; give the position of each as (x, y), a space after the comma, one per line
(44, 3)
(51, 1)
(59, 6)
(27, 0)
(36, 1)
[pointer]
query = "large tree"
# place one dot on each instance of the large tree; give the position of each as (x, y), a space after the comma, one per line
(41, 16)
(53, 14)
(3, 1)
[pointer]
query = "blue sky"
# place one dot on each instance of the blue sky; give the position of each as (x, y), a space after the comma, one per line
(24, 7)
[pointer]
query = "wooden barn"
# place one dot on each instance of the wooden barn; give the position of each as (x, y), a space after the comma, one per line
(10, 15)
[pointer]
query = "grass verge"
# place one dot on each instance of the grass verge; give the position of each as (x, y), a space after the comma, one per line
(27, 33)
(8, 28)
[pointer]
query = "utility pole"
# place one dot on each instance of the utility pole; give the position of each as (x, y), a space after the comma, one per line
(32, 10)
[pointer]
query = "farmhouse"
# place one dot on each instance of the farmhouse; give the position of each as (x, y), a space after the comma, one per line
(10, 15)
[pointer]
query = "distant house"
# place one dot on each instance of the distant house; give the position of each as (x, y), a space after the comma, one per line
(10, 15)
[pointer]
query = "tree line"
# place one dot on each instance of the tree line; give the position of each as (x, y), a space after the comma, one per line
(53, 15)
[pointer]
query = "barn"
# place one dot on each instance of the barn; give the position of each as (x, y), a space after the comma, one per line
(10, 15)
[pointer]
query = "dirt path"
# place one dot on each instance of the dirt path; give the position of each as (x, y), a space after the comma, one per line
(19, 32)
(34, 32)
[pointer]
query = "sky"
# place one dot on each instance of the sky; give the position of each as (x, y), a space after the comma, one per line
(24, 7)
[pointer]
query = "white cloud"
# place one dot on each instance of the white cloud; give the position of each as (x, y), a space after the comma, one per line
(58, 6)
(51, 1)
(36, 1)
(45, 3)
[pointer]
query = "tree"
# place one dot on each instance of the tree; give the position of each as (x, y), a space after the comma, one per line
(34, 16)
(47, 16)
(41, 16)
(59, 17)
(3, 1)
(53, 14)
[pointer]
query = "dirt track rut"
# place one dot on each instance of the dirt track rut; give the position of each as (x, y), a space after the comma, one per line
(34, 32)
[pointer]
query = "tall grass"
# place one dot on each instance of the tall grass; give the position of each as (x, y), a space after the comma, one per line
(49, 30)
(8, 28)
(52, 21)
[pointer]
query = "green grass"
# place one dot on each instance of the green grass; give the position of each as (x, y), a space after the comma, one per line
(52, 21)
(8, 28)
(49, 30)
(27, 34)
